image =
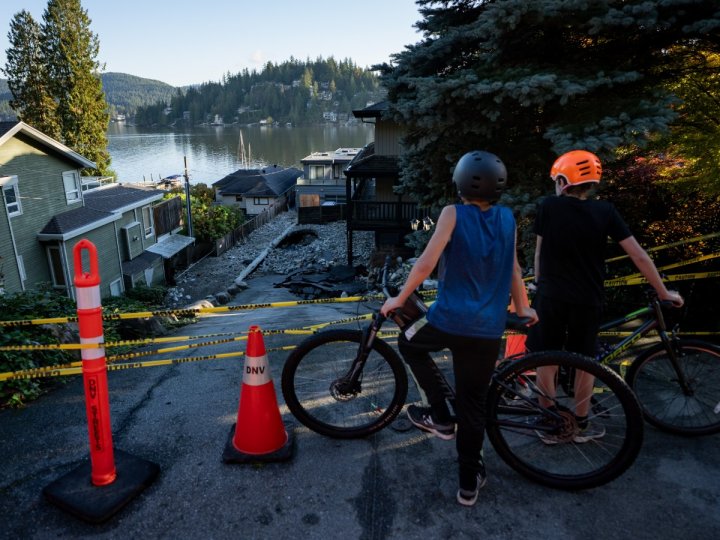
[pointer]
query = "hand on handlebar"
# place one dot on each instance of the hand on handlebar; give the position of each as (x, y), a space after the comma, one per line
(390, 305)
(527, 313)
(673, 297)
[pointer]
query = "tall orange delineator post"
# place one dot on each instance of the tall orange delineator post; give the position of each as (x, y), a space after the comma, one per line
(115, 477)
(259, 435)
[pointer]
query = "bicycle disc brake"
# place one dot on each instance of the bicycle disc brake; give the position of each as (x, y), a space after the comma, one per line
(343, 389)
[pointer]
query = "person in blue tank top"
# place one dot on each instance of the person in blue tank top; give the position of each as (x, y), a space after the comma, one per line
(473, 247)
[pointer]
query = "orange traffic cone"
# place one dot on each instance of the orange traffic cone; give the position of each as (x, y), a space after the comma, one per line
(259, 434)
(515, 343)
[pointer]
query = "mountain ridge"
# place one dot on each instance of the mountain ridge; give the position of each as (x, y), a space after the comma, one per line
(124, 93)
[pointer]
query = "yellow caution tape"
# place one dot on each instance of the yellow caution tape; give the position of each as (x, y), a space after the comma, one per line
(639, 280)
(191, 311)
(65, 371)
(666, 246)
(700, 258)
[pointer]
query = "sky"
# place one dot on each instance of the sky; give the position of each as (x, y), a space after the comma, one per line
(183, 42)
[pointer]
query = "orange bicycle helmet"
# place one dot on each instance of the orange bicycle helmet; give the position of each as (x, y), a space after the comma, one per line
(577, 167)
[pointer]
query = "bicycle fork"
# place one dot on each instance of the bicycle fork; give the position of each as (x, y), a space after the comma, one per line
(351, 382)
(670, 342)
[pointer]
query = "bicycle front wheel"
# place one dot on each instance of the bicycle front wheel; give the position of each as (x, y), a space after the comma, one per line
(316, 388)
(544, 442)
(694, 410)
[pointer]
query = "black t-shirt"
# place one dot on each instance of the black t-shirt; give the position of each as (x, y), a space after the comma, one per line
(574, 238)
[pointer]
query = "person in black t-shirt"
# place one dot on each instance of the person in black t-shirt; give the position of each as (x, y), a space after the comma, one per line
(572, 231)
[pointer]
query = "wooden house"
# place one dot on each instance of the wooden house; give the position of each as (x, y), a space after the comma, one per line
(372, 204)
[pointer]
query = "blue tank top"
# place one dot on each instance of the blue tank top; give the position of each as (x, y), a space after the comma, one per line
(474, 273)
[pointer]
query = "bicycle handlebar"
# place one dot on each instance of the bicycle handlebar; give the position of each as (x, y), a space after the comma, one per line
(514, 322)
(652, 297)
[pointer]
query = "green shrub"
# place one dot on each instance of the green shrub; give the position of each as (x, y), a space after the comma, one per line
(150, 296)
(42, 302)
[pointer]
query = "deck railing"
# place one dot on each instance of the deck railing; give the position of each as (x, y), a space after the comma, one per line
(386, 213)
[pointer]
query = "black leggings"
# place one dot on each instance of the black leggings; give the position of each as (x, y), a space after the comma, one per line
(474, 360)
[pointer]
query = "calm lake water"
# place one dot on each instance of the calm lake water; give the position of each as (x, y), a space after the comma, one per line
(147, 155)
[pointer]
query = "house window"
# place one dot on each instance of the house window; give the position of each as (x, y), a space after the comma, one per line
(116, 288)
(317, 171)
(147, 220)
(339, 199)
(261, 201)
(56, 267)
(71, 181)
(12, 198)
(238, 198)
(337, 170)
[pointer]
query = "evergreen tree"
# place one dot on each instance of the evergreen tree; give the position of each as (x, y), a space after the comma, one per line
(27, 76)
(70, 51)
(530, 80)
(696, 134)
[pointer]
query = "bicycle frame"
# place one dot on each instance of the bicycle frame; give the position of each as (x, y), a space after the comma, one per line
(618, 349)
(654, 320)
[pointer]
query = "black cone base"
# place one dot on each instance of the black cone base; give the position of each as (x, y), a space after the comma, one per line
(76, 494)
(233, 455)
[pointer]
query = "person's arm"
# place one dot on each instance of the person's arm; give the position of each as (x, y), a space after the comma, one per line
(426, 263)
(518, 294)
(647, 268)
(536, 259)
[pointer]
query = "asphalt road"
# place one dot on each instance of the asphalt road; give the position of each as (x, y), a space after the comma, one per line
(395, 484)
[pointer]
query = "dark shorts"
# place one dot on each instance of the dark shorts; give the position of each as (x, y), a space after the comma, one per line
(564, 326)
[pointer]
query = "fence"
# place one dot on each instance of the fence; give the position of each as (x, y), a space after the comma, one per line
(320, 214)
(238, 235)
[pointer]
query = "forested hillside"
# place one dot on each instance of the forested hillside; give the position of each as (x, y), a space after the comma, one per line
(293, 91)
(126, 93)
(6, 113)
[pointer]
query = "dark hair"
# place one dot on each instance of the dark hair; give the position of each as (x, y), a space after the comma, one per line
(579, 190)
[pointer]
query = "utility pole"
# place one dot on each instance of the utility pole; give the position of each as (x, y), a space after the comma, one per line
(187, 200)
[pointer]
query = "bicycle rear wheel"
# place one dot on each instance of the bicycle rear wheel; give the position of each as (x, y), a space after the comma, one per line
(314, 385)
(664, 403)
(516, 417)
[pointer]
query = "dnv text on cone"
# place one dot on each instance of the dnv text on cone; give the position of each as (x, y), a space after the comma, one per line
(259, 434)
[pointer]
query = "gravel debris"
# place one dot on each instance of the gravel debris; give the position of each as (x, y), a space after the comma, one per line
(324, 245)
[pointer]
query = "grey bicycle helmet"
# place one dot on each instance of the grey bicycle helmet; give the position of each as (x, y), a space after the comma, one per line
(481, 175)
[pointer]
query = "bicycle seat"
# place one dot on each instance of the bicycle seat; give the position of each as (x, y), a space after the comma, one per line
(514, 322)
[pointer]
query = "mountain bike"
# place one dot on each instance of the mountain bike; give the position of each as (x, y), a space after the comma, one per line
(347, 383)
(676, 381)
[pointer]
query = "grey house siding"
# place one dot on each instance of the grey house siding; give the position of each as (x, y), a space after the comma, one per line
(35, 169)
(39, 167)
(10, 276)
(38, 172)
(108, 262)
